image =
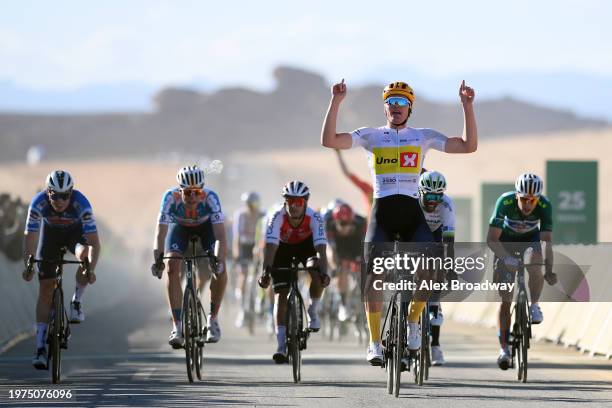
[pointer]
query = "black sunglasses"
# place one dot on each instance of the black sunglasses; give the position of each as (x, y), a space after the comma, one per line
(54, 195)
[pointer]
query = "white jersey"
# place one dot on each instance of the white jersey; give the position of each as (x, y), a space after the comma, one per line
(396, 156)
(280, 230)
(245, 225)
(443, 216)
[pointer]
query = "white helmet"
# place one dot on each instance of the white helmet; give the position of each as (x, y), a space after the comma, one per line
(432, 182)
(296, 188)
(250, 197)
(190, 177)
(529, 184)
(59, 181)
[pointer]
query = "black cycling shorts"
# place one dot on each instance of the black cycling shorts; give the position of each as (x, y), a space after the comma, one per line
(284, 255)
(52, 239)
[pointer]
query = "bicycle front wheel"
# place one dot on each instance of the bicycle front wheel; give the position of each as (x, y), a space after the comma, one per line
(189, 329)
(389, 349)
(400, 343)
(424, 352)
(198, 349)
(293, 339)
(56, 334)
(526, 335)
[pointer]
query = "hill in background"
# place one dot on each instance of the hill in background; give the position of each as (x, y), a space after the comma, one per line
(239, 119)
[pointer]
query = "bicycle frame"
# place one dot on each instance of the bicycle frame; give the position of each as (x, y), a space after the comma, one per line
(58, 329)
(192, 313)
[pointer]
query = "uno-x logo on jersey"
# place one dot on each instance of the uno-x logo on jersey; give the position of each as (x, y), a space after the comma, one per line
(405, 159)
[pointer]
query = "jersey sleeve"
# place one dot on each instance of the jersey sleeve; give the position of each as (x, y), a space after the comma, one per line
(86, 215)
(165, 216)
(273, 227)
(317, 226)
(34, 218)
(434, 139)
(361, 137)
(499, 213)
(213, 203)
(546, 222)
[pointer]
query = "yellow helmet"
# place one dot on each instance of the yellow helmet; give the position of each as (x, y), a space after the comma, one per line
(399, 88)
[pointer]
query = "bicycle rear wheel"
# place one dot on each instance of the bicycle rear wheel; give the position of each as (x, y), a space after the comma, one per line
(189, 328)
(57, 332)
(400, 346)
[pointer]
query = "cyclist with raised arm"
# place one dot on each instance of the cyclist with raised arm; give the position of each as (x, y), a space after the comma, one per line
(244, 227)
(366, 188)
(439, 212)
(294, 231)
(396, 154)
(59, 217)
(345, 233)
(186, 211)
(522, 220)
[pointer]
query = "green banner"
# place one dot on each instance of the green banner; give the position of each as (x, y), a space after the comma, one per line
(571, 187)
(463, 219)
(489, 193)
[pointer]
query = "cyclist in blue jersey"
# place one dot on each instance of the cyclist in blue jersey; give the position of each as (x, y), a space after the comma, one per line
(186, 211)
(59, 217)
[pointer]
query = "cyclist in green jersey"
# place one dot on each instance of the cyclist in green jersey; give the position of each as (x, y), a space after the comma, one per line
(522, 219)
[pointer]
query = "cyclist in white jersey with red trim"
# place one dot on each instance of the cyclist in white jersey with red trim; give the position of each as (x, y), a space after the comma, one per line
(294, 231)
(396, 154)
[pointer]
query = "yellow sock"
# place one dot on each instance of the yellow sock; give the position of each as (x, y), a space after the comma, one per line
(374, 326)
(416, 308)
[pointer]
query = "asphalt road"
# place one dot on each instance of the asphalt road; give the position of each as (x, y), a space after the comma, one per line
(120, 357)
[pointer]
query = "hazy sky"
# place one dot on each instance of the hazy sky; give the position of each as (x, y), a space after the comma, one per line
(67, 44)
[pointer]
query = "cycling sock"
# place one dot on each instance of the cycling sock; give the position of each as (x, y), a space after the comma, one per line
(78, 292)
(435, 335)
(176, 318)
(314, 306)
(504, 338)
(374, 326)
(416, 308)
(214, 309)
(280, 337)
(41, 334)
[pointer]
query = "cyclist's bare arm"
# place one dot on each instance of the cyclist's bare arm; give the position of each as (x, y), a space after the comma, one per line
(93, 241)
(219, 231)
(269, 254)
(322, 253)
(343, 167)
(468, 143)
(329, 136)
(494, 242)
(30, 243)
(160, 238)
(546, 237)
